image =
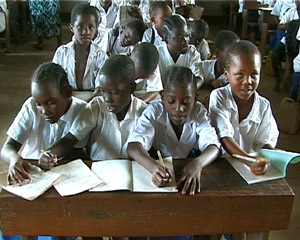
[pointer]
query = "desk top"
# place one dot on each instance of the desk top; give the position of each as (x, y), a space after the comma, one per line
(226, 204)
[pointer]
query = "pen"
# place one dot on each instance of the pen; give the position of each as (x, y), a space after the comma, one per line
(161, 161)
(247, 159)
(48, 154)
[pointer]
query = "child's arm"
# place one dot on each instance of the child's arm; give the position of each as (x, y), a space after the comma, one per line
(232, 147)
(191, 174)
(61, 148)
(216, 83)
(160, 176)
(18, 168)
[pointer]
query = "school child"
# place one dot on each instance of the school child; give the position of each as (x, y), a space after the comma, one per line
(122, 40)
(199, 31)
(81, 58)
(243, 119)
(159, 11)
(44, 118)
(148, 81)
(174, 125)
(109, 119)
(213, 70)
(176, 50)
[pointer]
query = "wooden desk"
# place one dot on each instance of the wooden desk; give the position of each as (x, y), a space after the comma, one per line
(226, 204)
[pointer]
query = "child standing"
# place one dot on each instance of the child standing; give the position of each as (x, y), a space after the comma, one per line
(148, 81)
(81, 58)
(174, 125)
(176, 50)
(44, 118)
(199, 31)
(123, 40)
(159, 11)
(243, 119)
(109, 119)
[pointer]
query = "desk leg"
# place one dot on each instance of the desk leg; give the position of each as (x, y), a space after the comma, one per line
(263, 39)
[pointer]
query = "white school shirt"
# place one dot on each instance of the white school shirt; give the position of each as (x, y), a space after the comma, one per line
(158, 41)
(109, 137)
(154, 129)
(257, 130)
(203, 49)
(281, 7)
(3, 7)
(65, 56)
(31, 130)
(111, 44)
(296, 60)
(190, 60)
(208, 70)
(290, 15)
(151, 84)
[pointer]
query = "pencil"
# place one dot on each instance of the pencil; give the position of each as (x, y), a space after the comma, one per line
(161, 161)
(48, 154)
(247, 159)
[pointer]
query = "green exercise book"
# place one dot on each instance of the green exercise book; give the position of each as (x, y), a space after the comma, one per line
(279, 161)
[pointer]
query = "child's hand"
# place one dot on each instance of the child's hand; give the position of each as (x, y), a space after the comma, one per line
(260, 166)
(18, 172)
(190, 177)
(216, 83)
(47, 160)
(161, 176)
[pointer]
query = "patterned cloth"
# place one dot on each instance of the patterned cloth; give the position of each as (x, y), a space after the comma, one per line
(45, 18)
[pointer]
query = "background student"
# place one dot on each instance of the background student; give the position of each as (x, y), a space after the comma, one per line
(44, 118)
(109, 119)
(175, 125)
(159, 11)
(81, 58)
(148, 80)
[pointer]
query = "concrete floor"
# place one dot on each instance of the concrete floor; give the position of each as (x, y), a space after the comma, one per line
(17, 67)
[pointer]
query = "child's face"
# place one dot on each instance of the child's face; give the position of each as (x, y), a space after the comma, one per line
(177, 40)
(243, 75)
(196, 37)
(178, 102)
(129, 37)
(161, 14)
(84, 29)
(51, 102)
(116, 95)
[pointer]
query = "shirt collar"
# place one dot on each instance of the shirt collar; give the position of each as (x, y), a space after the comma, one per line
(68, 116)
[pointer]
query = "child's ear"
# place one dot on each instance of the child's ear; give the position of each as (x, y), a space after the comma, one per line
(71, 28)
(226, 73)
(162, 94)
(132, 87)
(67, 92)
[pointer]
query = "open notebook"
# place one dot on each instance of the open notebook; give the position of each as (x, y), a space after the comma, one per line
(68, 179)
(129, 175)
(279, 162)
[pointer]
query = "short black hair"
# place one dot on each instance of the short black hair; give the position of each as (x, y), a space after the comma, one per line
(51, 72)
(119, 67)
(172, 22)
(242, 47)
(146, 56)
(156, 5)
(201, 26)
(225, 38)
(139, 26)
(84, 9)
(181, 76)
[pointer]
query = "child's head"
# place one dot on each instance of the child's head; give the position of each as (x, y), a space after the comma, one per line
(132, 33)
(84, 23)
(159, 11)
(199, 31)
(242, 69)
(117, 82)
(51, 91)
(179, 94)
(175, 33)
(223, 41)
(145, 57)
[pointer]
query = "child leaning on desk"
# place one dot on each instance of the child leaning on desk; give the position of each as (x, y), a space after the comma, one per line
(175, 125)
(110, 119)
(44, 118)
(243, 119)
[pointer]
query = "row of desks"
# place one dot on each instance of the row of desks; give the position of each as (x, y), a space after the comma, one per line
(226, 204)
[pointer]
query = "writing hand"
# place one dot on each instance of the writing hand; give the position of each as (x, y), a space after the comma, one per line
(260, 166)
(161, 176)
(47, 160)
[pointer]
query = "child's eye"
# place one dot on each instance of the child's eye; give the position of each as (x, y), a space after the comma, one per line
(239, 75)
(50, 103)
(254, 76)
(115, 92)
